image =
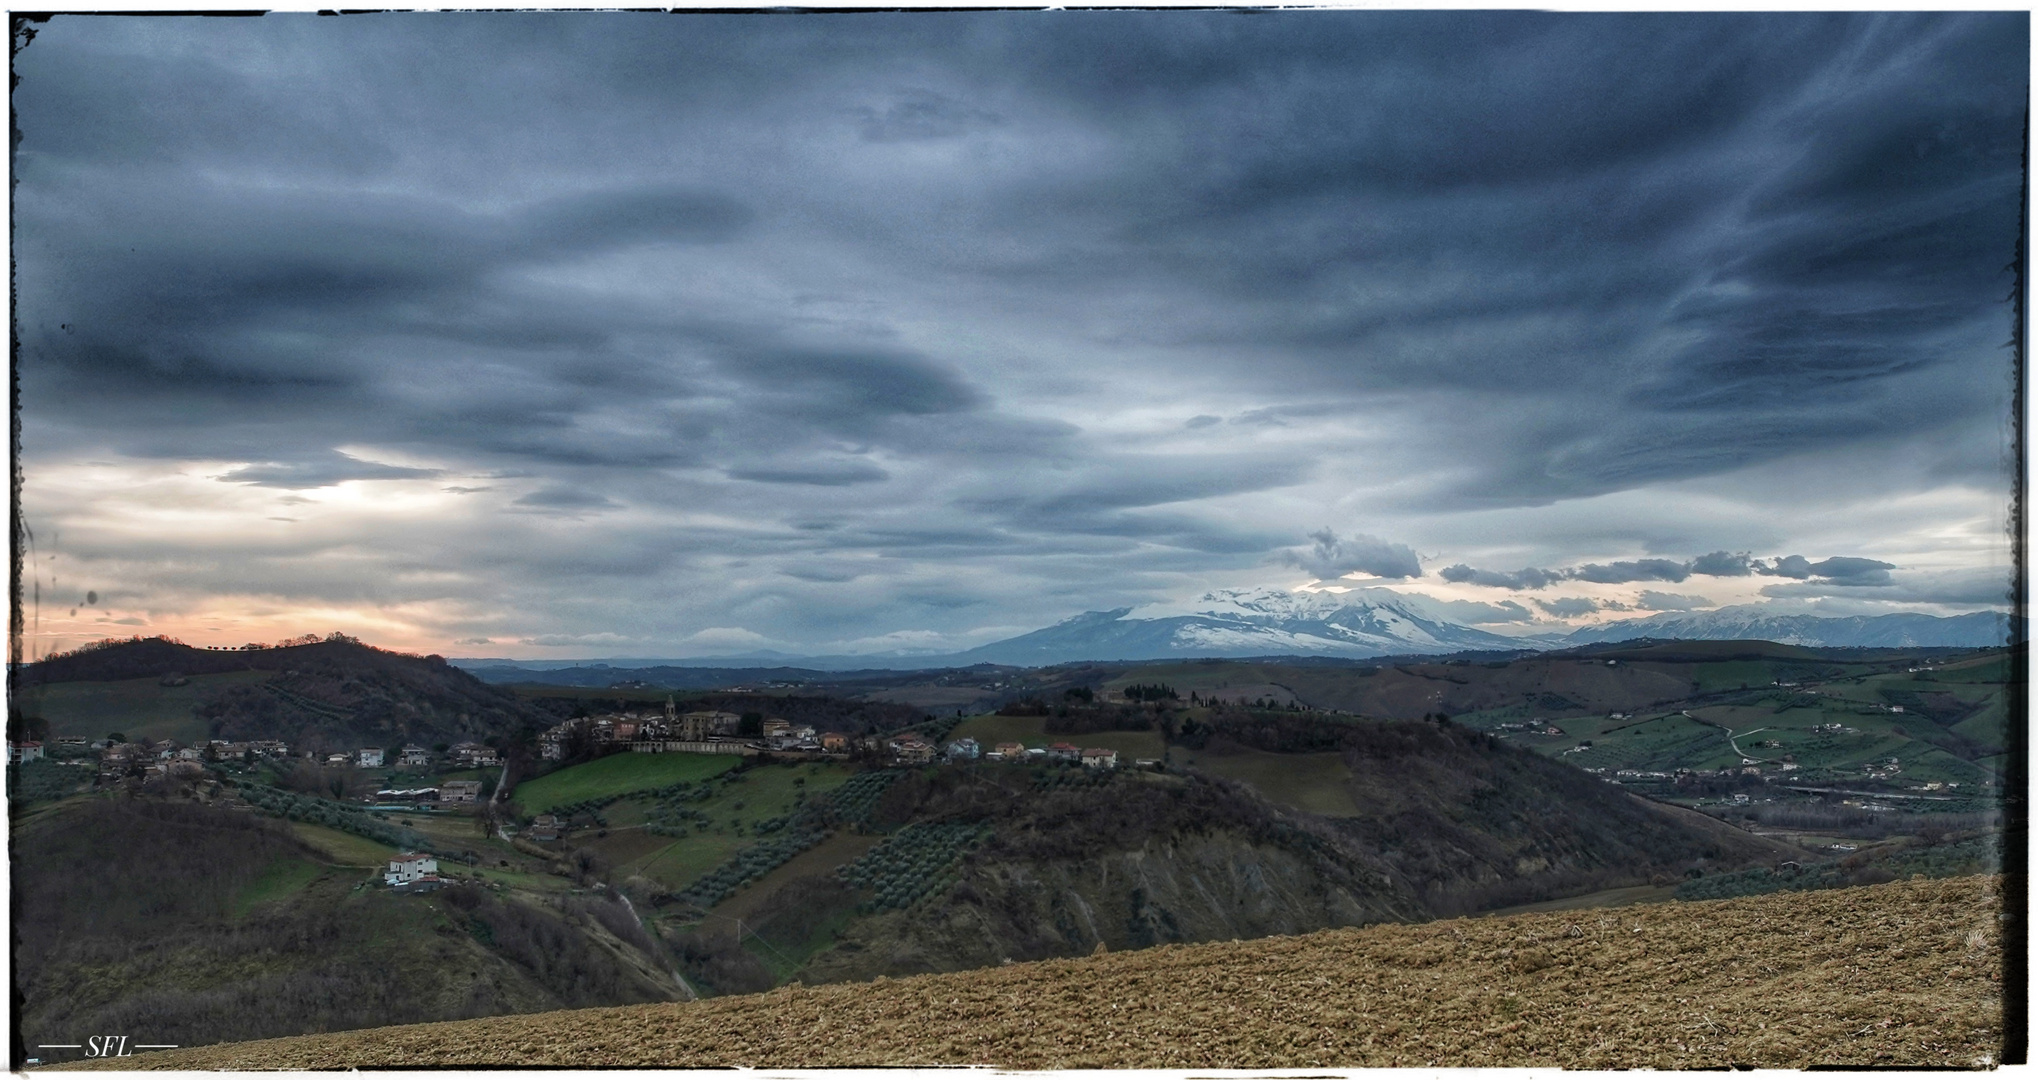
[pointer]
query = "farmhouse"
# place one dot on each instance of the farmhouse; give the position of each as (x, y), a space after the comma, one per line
(411, 868)
(1062, 751)
(1009, 751)
(473, 754)
(543, 827)
(834, 742)
(371, 757)
(416, 755)
(460, 791)
(18, 752)
(912, 748)
(1097, 757)
(964, 749)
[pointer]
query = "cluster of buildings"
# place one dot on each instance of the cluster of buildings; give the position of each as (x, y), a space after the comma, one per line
(700, 732)
(168, 756)
(467, 755)
(1538, 726)
(913, 748)
(447, 793)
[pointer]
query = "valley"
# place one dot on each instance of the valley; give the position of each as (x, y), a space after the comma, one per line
(1231, 800)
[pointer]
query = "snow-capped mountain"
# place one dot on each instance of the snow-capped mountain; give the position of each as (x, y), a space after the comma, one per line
(1382, 622)
(1360, 623)
(1757, 622)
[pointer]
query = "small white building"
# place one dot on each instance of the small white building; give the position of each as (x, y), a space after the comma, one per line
(476, 754)
(1097, 757)
(964, 749)
(416, 755)
(409, 868)
(370, 757)
(336, 760)
(18, 752)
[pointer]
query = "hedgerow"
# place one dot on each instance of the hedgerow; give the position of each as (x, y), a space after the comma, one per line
(1981, 855)
(316, 811)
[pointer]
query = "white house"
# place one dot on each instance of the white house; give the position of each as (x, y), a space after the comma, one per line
(24, 751)
(964, 749)
(1097, 757)
(416, 755)
(469, 753)
(370, 757)
(409, 868)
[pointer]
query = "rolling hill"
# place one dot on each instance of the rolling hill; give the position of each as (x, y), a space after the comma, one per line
(335, 693)
(1913, 976)
(235, 926)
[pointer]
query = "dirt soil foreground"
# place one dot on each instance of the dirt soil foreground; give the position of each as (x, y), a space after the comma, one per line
(1908, 973)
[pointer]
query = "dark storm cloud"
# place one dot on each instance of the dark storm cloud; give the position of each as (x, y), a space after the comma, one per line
(1790, 566)
(1568, 607)
(675, 259)
(1721, 564)
(921, 115)
(1838, 570)
(566, 500)
(1528, 577)
(1845, 571)
(822, 475)
(856, 384)
(1332, 557)
(1639, 570)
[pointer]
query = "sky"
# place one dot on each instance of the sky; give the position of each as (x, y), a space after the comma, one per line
(611, 334)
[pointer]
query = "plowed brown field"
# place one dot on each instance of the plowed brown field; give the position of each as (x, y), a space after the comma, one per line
(1908, 973)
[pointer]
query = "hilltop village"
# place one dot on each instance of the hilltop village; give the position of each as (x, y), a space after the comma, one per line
(719, 732)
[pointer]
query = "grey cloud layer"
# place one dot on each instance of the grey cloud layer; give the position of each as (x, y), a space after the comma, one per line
(918, 278)
(1839, 570)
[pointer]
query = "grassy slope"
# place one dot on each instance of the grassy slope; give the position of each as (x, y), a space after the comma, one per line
(736, 804)
(233, 927)
(137, 708)
(343, 848)
(1312, 782)
(616, 774)
(1915, 979)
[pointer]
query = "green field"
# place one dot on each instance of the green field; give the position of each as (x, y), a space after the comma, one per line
(1312, 782)
(137, 708)
(617, 774)
(736, 802)
(343, 848)
(1735, 674)
(282, 879)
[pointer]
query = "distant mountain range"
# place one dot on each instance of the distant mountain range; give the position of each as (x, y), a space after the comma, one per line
(1754, 622)
(1358, 624)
